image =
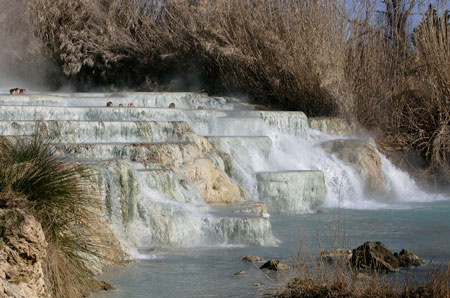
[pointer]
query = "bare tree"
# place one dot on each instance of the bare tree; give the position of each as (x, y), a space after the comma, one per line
(397, 14)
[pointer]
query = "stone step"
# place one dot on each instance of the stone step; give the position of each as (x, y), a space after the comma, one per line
(290, 123)
(148, 155)
(199, 120)
(153, 220)
(237, 145)
(238, 126)
(175, 186)
(291, 191)
(102, 131)
(183, 100)
(170, 153)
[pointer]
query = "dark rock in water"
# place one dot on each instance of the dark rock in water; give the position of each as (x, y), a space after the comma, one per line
(374, 255)
(240, 273)
(407, 258)
(276, 265)
(252, 259)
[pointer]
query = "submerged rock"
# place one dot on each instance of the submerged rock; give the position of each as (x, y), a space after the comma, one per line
(364, 159)
(275, 265)
(252, 259)
(375, 256)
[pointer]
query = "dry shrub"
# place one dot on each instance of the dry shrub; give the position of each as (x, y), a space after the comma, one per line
(313, 56)
(318, 278)
(430, 115)
(401, 89)
(288, 54)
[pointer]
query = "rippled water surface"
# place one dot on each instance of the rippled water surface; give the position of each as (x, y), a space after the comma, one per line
(209, 272)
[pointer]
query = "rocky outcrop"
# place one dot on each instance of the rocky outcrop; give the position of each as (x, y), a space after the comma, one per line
(332, 125)
(275, 265)
(214, 185)
(364, 159)
(22, 253)
(200, 163)
(407, 258)
(375, 256)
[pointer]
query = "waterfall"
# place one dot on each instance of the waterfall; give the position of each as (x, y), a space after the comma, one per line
(160, 172)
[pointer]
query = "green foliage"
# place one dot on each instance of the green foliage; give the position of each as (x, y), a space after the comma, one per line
(33, 177)
(53, 186)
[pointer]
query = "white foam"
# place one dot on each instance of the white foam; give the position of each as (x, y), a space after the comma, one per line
(136, 255)
(404, 188)
(344, 185)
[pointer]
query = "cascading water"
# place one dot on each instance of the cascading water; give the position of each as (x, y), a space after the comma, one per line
(154, 175)
(270, 154)
(146, 218)
(288, 152)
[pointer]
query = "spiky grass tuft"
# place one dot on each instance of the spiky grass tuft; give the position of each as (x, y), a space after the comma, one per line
(54, 190)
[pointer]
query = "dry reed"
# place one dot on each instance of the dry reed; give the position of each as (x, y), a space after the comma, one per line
(315, 56)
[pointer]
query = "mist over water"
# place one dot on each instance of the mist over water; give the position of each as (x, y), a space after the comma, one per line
(290, 153)
(171, 234)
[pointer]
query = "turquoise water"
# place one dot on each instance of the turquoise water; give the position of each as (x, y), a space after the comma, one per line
(209, 272)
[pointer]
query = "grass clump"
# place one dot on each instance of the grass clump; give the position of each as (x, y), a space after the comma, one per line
(339, 279)
(35, 179)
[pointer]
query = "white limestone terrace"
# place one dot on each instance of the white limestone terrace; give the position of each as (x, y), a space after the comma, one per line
(142, 158)
(182, 100)
(163, 174)
(102, 131)
(220, 111)
(82, 125)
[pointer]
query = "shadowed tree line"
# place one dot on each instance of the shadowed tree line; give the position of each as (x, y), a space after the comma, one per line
(371, 64)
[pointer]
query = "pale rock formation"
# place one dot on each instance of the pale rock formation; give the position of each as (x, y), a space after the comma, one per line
(22, 253)
(201, 164)
(332, 125)
(214, 185)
